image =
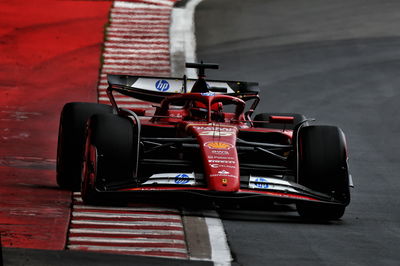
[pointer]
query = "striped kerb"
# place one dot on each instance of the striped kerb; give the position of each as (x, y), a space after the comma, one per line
(139, 230)
(136, 43)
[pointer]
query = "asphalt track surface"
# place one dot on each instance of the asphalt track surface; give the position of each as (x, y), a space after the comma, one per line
(338, 62)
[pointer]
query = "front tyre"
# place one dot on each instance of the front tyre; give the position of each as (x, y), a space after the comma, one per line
(89, 171)
(110, 154)
(323, 168)
(71, 141)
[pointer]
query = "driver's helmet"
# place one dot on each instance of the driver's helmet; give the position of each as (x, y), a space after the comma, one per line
(199, 111)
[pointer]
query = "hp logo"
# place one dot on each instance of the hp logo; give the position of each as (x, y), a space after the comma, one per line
(162, 85)
(261, 182)
(182, 179)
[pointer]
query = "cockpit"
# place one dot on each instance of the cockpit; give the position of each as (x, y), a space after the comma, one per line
(207, 107)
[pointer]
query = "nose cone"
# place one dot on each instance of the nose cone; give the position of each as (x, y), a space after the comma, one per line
(220, 159)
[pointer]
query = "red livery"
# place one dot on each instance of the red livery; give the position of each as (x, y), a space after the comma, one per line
(201, 142)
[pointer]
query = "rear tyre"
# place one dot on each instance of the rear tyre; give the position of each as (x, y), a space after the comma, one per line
(265, 117)
(71, 140)
(110, 154)
(323, 168)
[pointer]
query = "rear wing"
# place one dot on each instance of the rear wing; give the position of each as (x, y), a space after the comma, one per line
(155, 89)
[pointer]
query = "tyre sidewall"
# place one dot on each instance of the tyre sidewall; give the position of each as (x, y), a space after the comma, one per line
(115, 139)
(71, 141)
(323, 160)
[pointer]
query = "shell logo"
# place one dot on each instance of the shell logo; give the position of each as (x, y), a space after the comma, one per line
(218, 145)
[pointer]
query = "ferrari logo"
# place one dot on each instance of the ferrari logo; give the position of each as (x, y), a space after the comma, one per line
(224, 181)
(219, 145)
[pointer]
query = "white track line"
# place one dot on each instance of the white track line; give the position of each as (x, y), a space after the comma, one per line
(137, 39)
(140, 72)
(124, 215)
(150, 16)
(148, 44)
(141, 11)
(138, 20)
(126, 249)
(127, 69)
(144, 51)
(111, 56)
(183, 44)
(125, 5)
(134, 67)
(134, 35)
(139, 232)
(220, 252)
(133, 209)
(158, 2)
(126, 223)
(132, 61)
(125, 240)
(86, 208)
(183, 40)
(136, 28)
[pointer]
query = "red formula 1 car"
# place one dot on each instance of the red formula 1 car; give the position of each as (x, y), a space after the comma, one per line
(201, 142)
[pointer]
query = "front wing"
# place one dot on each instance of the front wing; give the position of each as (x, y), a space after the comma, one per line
(257, 189)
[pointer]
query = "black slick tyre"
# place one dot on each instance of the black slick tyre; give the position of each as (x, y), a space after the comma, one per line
(266, 117)
(110, 154)
(71, 139)
(323, 168)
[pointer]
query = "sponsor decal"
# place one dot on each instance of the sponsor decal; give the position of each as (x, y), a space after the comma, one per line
(182, 179)
(219, 175)
(171, 178)
(219, 152)
(216, 165)
(227, 166)
(219, 145)
(230, 129)
(208, 93)
(162, 85)
(220, 157)
(223, 172)
(260, 182)
(216, 133)
(222, 161)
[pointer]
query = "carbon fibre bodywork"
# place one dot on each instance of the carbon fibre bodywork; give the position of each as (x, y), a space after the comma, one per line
(193, 146)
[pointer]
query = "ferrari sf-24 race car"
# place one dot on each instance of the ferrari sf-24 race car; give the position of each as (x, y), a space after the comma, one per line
(201, 142)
